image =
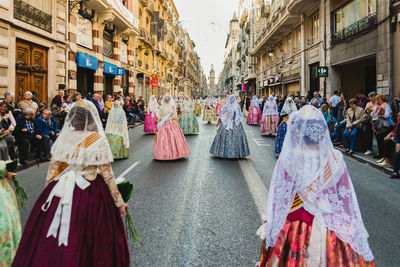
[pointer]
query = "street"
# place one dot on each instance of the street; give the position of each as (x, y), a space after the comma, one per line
(202, 211)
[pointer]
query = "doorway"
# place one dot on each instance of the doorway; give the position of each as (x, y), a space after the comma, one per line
(108, 84)
(31, 71)
(85, 81)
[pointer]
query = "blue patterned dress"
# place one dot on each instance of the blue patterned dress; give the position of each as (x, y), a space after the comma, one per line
(230, 144)
(280, 136)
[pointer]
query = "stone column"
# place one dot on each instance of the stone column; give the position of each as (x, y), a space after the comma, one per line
(72, 65)
(116, 57)
(384, 59)
(303, 57)
(98, 49)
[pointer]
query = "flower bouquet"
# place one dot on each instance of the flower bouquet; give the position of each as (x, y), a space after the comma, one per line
(126, 189)
(20, 192)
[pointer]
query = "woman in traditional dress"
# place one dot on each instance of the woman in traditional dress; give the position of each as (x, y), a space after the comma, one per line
(270, 117)
(254, 116)
(313, 217)
(169, 143)
(288, 108)
(10, 222)
(197, 107)
(209, 114)
(220, 105)
(150, 123)
(76, 220)
(187, 120)
(117, 131)
(230, 141)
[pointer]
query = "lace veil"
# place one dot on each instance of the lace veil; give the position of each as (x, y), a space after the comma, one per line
(289, 107)
(167, 105)
(188, 104)
(231, 113)
(255, 102)
(153, 105)
(82, 140)
(310, 166)
(117, 123)
(270, 107)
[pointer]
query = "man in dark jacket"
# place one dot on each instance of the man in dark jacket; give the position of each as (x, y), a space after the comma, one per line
(26, 135)
(46, 126)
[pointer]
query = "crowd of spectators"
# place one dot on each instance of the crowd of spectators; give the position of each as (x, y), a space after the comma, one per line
(354, 123)
(30, 127)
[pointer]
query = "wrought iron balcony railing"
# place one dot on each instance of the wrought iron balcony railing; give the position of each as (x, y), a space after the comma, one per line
(360, 26)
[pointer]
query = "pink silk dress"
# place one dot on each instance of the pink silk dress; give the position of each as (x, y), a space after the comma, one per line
(170, 143)
(254, 116)
(150, 123)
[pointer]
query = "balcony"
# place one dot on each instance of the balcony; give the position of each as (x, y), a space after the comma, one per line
(275, 31)
(298, 7)
(360, 26)
(31, 15)
(265, 10)
(171, 38)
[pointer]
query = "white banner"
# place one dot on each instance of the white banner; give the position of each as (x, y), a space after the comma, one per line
(84, 33)
(123, 51)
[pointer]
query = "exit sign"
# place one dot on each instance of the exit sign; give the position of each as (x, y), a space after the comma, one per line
(322, 72)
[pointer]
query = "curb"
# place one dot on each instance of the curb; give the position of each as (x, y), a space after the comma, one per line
(366, 161)
(33, 162)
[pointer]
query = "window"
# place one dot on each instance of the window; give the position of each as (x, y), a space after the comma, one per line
(107, 44)
(314, 28)
(352, 13)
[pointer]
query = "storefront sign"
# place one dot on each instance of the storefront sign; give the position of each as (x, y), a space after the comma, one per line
(265, 83)
(154, 81)
(123, 52)
(84, 33)
(120, 71)
(117, 4)
(322, 72)
(87, 61)
(110, 68)
(244, 87)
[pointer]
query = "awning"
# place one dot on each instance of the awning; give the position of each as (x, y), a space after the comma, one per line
(86, 61)
(110, 68)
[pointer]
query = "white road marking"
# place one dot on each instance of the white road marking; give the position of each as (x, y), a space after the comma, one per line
(260, 142)
(129, 169)
(256, 186)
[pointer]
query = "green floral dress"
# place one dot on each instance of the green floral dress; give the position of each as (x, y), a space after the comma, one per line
(10, 223)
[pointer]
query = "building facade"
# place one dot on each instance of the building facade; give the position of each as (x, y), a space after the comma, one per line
(33, 47)
(97, 46)
(296, 41)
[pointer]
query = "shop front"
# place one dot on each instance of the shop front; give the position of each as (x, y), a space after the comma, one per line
(87, 65)
(110, 71)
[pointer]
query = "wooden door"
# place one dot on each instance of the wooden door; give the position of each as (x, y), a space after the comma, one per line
(31, 71)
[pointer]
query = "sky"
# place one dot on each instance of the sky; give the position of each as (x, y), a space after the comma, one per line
(207, 22)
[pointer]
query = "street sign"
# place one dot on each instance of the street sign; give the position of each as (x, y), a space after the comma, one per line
(322, 72)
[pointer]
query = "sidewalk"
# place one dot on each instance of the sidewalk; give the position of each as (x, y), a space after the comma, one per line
(367, 159)
(34, 161)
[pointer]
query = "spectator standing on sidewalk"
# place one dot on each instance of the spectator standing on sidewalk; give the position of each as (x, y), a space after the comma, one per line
(317, 97)
(367, 123)
(381, 124)
(47, 128)
(341, 120)
(333, 102)
(353, 116)
(28, 103)
(128, 111)
(389, 147)
(57, 110)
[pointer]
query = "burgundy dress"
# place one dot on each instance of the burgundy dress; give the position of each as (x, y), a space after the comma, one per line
(96, 235)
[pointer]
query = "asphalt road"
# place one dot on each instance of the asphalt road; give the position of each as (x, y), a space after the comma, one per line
(203, 211)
